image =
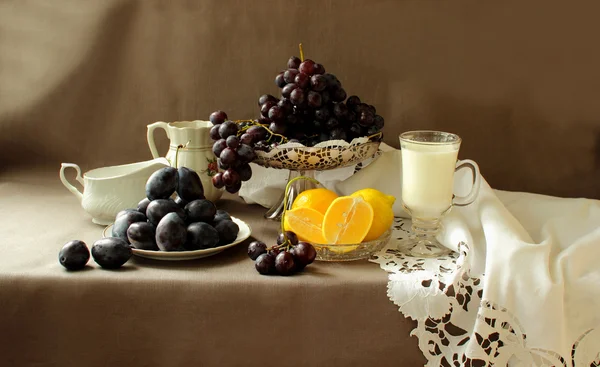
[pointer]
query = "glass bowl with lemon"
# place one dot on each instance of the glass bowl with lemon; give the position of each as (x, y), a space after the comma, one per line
(341, 228)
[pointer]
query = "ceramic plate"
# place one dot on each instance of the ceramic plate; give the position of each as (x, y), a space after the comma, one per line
(243, 234)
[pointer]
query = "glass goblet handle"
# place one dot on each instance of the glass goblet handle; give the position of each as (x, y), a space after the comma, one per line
(466, 200)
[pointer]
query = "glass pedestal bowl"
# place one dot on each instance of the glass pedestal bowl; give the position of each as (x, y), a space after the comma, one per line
(353, 252)
(305, 161)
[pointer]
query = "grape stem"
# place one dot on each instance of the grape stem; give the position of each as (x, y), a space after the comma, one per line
(301, 52)
(285, 204)
(255, 123)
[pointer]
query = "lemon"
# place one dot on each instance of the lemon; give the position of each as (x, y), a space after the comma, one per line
(382, 208)
(317, 199)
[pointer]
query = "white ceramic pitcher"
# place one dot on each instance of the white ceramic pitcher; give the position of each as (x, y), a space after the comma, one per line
(197, 154)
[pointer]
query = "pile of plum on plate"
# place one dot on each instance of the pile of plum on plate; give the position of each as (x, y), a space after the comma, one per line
(159, 223)
(189, 222)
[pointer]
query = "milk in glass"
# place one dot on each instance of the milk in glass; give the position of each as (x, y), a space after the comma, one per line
(428, 178)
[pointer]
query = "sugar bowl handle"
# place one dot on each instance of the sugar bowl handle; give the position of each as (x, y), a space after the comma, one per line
(66, 182)
(150, 136)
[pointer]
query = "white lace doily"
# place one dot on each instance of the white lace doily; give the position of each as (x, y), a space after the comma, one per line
(323, 156)
(456, 325)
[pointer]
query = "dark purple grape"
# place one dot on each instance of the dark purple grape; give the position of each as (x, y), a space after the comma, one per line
(322, 114)
(288, 89)
(318, 82)
(302, 80)
(214, 133)
(291, 237)
(231, 177)
(259, 132)
(233, 189)
(378, 122)
(74, 255)
(276, 114)
(228, 156)
(314, 99)
(217, 180)
(319, 68)
(332, 81)
(293, 120)
(218, 117)
(218, 147)
(352, 116)
(227, 129)
(294, 62)
(339, 95)
(332, 123)
(372, 109)
(297, 96)
(279, 81)
(307, 67)
(326, 97)
(233, 142)
(266, 97)
(245, 172)
(373, 130)
(286, 106)
(318, 125)
(366, 119)
(284, 262)
(352, 101)
(356, 129)
(323, 136)
(362, 107)
(247, 139)
(340, 110)
(264, 120)
(256, 248)
(289, 75)
(338, 134)
(265, 107)
(278, 128)
(304, 253)
(221, 164)
(245, 153)
(265, 264)
(274, 251)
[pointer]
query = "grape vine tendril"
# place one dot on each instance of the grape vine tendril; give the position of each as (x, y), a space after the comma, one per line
(285, 203)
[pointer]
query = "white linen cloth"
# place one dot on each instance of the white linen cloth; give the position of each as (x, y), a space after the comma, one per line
(528, 265)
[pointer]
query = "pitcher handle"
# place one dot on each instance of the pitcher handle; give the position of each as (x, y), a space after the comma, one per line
(150, 136)
(66, 182)
(466, 200)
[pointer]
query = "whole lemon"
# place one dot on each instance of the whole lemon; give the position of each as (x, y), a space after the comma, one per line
(382, 208)
(317, 199)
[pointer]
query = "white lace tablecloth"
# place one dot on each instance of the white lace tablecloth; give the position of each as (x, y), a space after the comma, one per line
(464, 319)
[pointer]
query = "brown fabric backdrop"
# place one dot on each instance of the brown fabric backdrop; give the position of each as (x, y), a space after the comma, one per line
(520, 81)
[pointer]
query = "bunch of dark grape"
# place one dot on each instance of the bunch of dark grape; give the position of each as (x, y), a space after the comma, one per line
(313, 107)
(286, 258)
(234, 147)
(188, 222)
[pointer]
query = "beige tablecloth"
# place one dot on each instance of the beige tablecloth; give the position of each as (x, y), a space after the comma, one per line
(216, 311)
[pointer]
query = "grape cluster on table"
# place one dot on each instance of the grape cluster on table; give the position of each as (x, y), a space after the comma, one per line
(286, 258)
(312, 108)
(160, 223)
